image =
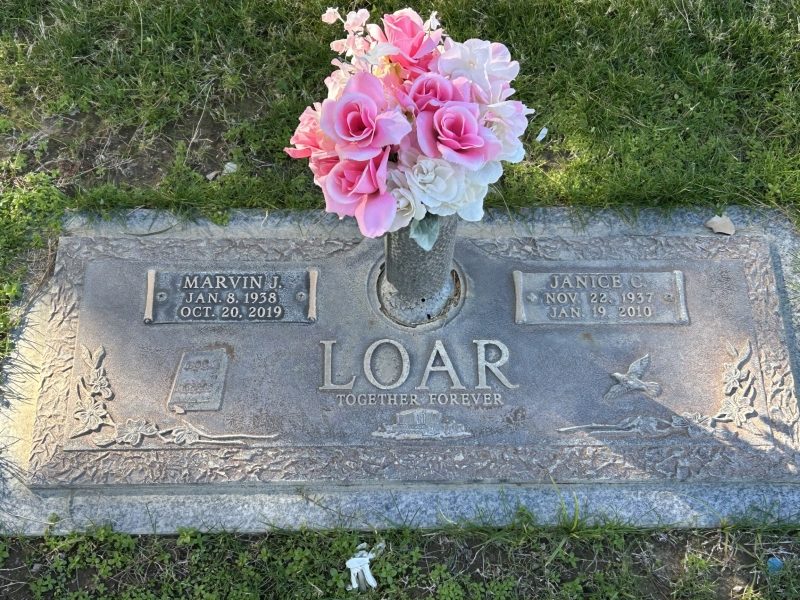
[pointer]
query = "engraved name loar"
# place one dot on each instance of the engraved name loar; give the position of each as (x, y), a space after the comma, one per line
(438, 361)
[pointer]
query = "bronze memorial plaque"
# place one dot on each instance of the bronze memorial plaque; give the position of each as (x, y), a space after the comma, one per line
(646, 358)
(645, 297)
(231, 297)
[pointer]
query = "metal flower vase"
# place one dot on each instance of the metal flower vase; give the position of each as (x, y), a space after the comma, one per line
(418, 287)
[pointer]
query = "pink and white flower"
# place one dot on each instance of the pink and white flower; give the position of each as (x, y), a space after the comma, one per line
(455, 133)
(508, 120)
(331, 15)
(361, 122)
(416, 46)
(408, 205)
(487, 65)
(432, 23)
(356, 20)
(404, 89)
(358, 189)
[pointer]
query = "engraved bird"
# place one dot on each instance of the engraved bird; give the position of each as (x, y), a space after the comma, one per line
(632, 381)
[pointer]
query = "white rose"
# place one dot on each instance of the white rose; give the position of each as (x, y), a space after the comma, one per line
(508, 120)
(408, 207)
(475, 191)
(437, 184)
(488, 173)
(487, 65)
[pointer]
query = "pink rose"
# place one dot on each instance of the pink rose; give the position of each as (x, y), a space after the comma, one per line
(454, 132)
(321, 163)
(375, 215)
(360, 122)
(431, 90)
(310, 142)
(308, 138)
(405, 31)
(358, 189)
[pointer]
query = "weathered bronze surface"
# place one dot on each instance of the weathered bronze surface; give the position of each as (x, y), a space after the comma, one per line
(698, 389)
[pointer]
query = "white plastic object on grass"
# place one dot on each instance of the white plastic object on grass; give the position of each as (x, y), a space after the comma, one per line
(360, 574)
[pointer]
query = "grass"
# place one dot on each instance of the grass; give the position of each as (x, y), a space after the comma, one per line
(648, 103)
(114, 104)
(457, 563)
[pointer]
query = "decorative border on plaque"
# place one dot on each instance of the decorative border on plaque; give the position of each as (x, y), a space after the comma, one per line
(713, 460)
(352, 464)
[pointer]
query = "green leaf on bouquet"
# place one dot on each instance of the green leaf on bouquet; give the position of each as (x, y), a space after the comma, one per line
(425, 231)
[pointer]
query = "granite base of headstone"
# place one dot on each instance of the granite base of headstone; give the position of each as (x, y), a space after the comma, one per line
(192, 375)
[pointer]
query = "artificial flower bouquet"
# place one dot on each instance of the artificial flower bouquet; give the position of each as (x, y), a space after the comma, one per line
(415, 126)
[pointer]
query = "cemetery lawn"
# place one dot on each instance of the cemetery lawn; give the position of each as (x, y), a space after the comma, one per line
(108, 105)
(454, 563)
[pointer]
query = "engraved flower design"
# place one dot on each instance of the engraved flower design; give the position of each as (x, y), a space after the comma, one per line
(738, 405)
(696, 424)
(679, 422)
(733, 378)
(98, 384)
(694, 418)
(91, 416)
(92, 413)
(184, 435)
(734, 409)
(134, 431)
